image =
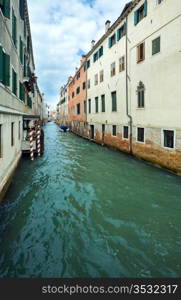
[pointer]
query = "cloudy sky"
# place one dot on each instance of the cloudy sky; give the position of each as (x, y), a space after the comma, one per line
(62, 31)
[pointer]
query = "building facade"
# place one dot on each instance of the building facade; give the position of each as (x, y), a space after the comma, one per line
(20, 98)
(77, 100)
(133, 73)
(62, 106)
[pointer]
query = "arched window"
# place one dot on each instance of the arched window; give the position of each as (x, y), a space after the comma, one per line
(141, 94)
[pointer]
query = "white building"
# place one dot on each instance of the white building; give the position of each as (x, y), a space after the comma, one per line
(20, 99)
(133, 74)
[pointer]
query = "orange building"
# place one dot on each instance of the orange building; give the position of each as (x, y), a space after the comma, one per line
(77, 104)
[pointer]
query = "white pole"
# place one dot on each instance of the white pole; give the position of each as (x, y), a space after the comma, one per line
(38, 141)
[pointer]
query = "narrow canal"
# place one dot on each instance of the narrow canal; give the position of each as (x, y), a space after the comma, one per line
(83, 210)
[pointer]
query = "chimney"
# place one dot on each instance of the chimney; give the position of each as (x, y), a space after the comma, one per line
(82, 59)
(107, 25)
(93, 43)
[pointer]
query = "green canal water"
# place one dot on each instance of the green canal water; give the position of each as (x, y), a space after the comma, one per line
(83, 210)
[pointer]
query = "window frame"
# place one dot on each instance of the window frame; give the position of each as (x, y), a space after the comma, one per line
(142, 142)
(163, 139)
(113, 69)
(139, 59)
(158, 37)
(114, 92)
(96, 105)
(140, 89)
(114, 127)
(123, 137)
(122, 64)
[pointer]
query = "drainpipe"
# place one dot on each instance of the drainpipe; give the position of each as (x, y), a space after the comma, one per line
(127, 108)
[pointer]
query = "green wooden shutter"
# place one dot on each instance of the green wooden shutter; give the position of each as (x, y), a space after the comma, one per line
(114, 102)
(136, 17)
(118, 34)
(6, 8)
(21, 50)
(145, 8)
(14, 25)
(1, 64)
(6, 69)
(109, 43)
(14, 82)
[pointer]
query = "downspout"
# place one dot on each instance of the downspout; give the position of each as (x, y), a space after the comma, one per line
(127, 107)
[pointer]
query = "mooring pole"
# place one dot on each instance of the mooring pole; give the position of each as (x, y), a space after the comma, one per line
(38, 141)
(31, 145)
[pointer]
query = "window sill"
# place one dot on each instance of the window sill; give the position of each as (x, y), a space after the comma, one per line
(139, 61)
(140, 108)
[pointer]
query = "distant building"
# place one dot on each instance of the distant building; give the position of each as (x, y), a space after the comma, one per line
(20, 98)
(62, 106)
(77, 104)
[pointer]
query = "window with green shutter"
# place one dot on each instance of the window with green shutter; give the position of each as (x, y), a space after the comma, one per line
(4, 67)
(121, 32)
(21, 50)
(140, 13)
(156, 45)
(14, 82)
(14, 27)
(21, 92)
(103, 103)
(5, 6)
(96, 105)
(29, 102)
(114, 101)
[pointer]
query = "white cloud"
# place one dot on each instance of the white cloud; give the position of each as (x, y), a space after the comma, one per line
(60, 28)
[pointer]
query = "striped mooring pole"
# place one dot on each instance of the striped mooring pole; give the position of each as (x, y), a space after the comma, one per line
(38, 141)
(31, 145)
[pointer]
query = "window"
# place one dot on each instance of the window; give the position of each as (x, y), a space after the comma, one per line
(101, 51)
(88, 83)
(12, 134)
(22, 9)
(14, 82)
(140, 135)
(5, 6)
(21, 92)
(19, 130)
(114, 130)
(96, 79)
(113, 69)
(21, 50)
(121, 32)
(125, 132)
(88, 63)
(140, 13)
(78, 109)
(85, 107)
(156, 45)
(168, 136)
(73, 95)
(103, 103)
(114, 101)
(101, 74)
(112, 40)
(103, 130)
(1, 140)
(14, 27)
(121, 64)
(29, 101)
(84, 85)
(140, 52)
(78, 90)
(95, 56)
(89, 106)
(96, 105)
(141, 94)
(4, 67)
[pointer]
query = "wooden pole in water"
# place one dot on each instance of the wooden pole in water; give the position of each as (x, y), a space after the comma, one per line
(38, 141)
(31, 145)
